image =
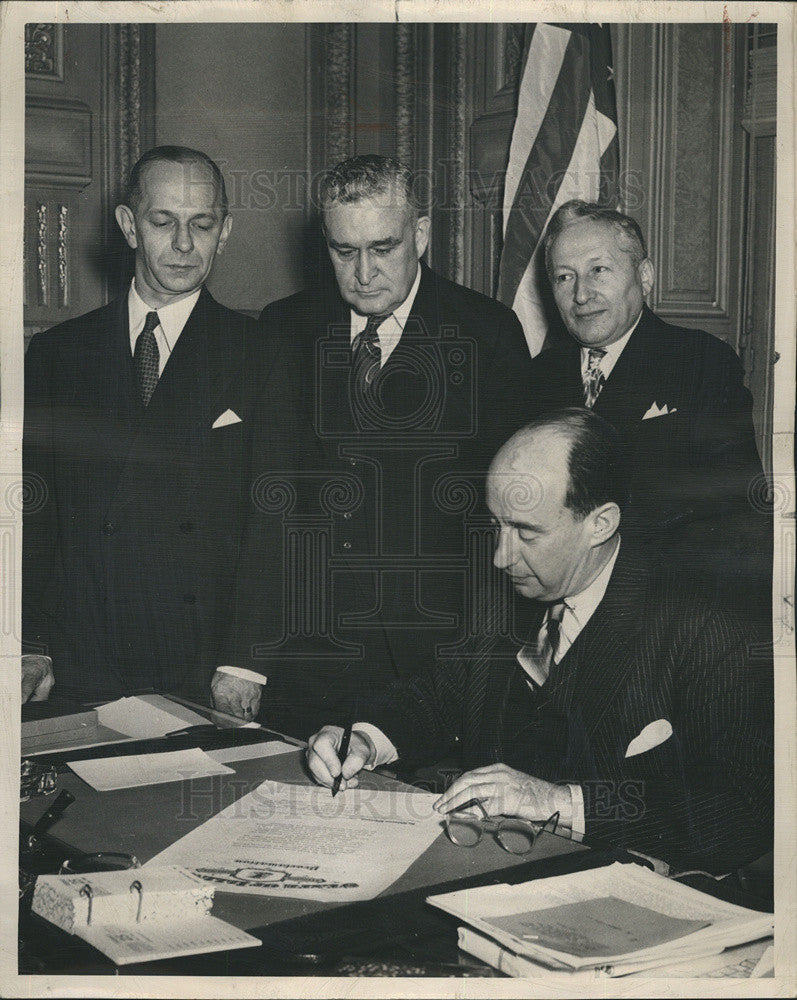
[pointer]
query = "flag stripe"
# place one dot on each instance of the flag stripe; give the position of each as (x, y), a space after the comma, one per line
(564, 146)
(556, 139)
(547, 48)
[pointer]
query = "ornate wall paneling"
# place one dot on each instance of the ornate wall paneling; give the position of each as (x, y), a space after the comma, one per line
(683, 149)
(495, 53)
(757, 345)
(88, 115)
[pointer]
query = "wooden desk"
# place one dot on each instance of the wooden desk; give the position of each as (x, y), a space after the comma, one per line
(144, 821)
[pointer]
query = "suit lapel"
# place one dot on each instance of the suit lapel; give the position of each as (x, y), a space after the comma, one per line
(631, 385)
(590, 678)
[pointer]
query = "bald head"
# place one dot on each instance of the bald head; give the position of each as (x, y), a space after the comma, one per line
(551, 498)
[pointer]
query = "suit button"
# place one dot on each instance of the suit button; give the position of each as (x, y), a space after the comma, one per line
(189, 598)
(347, 545)
(347, 515)
(186, 527)
(108, 528)
(352, 462)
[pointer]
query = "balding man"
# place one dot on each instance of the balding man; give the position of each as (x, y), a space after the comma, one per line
(138, 424)
(621, 698)
(676, 395)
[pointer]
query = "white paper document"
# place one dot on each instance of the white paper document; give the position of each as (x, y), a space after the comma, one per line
(505, 912)
(147, 716)
(107, 774)
(297, 840)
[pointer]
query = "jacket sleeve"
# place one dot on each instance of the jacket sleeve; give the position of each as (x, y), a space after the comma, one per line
(714, 809)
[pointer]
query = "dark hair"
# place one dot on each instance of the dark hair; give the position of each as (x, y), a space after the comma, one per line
(596, 463)
(364, 176)
(631, 239)
(173, 154)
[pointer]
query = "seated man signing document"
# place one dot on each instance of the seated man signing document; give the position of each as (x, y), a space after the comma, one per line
(606, 688)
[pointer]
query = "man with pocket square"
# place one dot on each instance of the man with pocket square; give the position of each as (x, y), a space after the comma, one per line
(606, 689)
(676, 395)
(137, 438)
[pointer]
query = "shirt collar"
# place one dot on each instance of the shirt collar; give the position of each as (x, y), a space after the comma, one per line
(613, 352)
(172, 318)
(584, 604)
(391, 329)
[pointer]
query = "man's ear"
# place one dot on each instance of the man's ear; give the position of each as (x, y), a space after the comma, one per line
(646, 276)
(422, 227)
(127, 223)
(605, 520)
(226, 227)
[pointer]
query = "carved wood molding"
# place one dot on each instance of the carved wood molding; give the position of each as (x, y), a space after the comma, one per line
(339, 92)
(44, 51)
(405, 55)
(691, 174)
(761, 100)
(457, 157)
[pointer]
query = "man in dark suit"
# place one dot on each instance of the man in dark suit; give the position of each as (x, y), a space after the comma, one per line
(138, 427)
(677, 396)
(411, 383)
(620, 696)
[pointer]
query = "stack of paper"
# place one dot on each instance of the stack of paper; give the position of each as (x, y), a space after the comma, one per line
(620, 919)
(137, 915)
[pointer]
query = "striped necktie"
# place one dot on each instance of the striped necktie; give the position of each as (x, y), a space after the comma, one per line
(367, 354)
(146, 358)
(550, 642)
(594, 379)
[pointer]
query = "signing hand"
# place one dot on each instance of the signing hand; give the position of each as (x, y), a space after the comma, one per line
(504, 791)
(322, 756)
(37, 677)
(235, 695)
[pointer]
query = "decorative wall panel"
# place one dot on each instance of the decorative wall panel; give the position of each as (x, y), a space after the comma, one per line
(44, 51)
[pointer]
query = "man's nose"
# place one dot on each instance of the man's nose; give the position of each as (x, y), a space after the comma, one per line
(182, 239)
(364, 268)
(502, 557)
(582, 290)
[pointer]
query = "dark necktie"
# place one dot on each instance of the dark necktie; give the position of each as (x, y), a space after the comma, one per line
(594, 379)
(550, 643)
(367, 354)
(146, 358)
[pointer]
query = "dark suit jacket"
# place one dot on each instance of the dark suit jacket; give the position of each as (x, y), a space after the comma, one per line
(655, 648)
(132, 530)
(388, 488)
(696, 478)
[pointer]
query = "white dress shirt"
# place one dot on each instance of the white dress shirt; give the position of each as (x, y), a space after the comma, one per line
(171, 320)
(389, 330)
(613, 352)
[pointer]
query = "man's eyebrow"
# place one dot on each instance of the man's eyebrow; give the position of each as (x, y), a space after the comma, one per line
(389, 241)
(523, 525)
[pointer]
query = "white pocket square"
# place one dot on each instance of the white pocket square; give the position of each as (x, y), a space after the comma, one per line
(228, 417)
(659, 411)
(651, 736)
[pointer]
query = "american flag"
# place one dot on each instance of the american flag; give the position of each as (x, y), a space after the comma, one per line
(564, 145)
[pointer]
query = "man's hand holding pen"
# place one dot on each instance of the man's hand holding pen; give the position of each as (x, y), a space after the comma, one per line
(325, 764)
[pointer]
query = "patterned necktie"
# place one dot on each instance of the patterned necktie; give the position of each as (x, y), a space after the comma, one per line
(550, 643)
(146, 358)
(367, 354)
(594, 380)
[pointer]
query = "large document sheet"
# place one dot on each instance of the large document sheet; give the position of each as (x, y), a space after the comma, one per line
(297, 840)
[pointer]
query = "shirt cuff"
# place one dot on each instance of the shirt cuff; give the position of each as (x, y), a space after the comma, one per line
(578, 824)
(386, 753)
(246, 675)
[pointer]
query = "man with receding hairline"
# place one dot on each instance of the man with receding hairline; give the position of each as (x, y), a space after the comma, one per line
(676, 395)
(138, 426)
(620, 698)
